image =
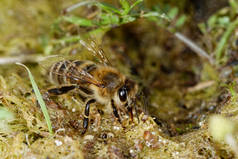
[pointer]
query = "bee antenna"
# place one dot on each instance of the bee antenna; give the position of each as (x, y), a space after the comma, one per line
(140, 95)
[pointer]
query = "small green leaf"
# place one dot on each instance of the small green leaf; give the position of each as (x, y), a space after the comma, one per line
(108, 8)
(202, 28)
(173, 13)
(156, 14)
(224, 39)
(211, 21)
(39, 98)
(109, 19)
(69, 39)
(125, 6)
(224, 21)
(78, 21)
(181, 20)
(135, 4)
(128, 19)
(234, 5)
(231, 89)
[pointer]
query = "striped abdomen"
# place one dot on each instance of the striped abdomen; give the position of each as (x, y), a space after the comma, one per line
(70, 71)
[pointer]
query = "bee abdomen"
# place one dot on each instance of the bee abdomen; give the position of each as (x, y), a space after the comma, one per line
(60, 71)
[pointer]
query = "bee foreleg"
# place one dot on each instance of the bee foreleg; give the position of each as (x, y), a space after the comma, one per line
(137, 115)
(86, 114)
(61, 90)
(115, 111)
(130, 110)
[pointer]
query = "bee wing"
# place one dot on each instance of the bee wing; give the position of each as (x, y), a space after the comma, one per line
(84, 76)
(46, 62)
(91, 45)
(49, 60)
(81, 74)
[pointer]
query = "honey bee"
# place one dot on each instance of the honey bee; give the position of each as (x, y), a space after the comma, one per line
(95, 83)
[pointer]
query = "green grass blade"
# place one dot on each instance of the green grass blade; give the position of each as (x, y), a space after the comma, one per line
(108, 8)
(39, 98)
(78, 21)
(224, 39)
(70, 39)
(126, 7)
(135, 4)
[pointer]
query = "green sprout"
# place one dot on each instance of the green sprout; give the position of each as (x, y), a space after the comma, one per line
(39, 98)
(221, 45)
(226, 20)
(110, 16)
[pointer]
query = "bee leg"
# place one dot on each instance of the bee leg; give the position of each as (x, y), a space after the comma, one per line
(137, 115)
(130, 110)
(115, 111)
(55, 91)
(86, 115)
(61, 90)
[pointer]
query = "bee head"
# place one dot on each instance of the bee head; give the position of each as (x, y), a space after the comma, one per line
(127, 92)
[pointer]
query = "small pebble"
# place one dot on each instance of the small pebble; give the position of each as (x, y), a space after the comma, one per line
(147, 135)
(110, 135)
(144, 118)
(60, 130)
(164, 142)
(104, 136)
(131, 151)
(116, 128)
(88, 137)
(68, 139)
(148, 143)
(58, 143)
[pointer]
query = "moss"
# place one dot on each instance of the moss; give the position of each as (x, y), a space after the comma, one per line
(167, 71)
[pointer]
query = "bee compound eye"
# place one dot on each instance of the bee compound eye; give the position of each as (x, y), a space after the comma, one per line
(122, 94)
